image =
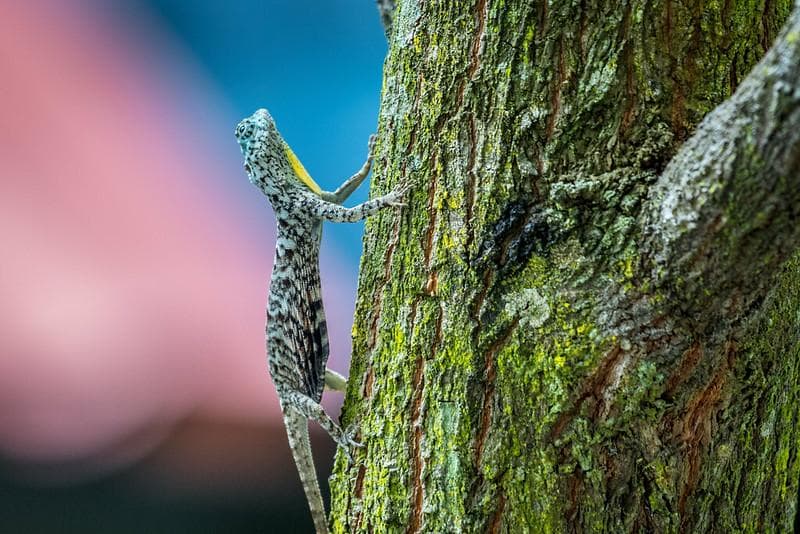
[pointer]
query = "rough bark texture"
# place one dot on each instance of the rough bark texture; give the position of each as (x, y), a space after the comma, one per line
(570, 327)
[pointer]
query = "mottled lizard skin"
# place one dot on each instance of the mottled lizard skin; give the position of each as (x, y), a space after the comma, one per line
(297, 336)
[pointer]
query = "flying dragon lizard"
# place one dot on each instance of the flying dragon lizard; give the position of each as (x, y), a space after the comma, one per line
(297, 337)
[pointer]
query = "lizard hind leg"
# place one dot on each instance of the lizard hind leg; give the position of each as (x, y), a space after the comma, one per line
(313, 410)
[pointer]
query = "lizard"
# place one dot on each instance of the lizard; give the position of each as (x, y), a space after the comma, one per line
(296, 330)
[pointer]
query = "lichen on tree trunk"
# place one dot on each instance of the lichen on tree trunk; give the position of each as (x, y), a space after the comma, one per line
(523, 358)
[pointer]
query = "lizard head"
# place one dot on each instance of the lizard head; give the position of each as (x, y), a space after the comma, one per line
(261, 145)
(266, 154)
(257, 128)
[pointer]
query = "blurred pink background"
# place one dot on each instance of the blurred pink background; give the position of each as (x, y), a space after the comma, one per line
(135, 263)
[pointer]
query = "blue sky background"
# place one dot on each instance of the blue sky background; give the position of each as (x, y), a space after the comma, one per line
(315, 65)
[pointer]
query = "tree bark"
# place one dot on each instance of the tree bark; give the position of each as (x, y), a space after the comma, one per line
(587, 317)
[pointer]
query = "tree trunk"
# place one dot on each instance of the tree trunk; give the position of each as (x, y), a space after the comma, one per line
(586, 317)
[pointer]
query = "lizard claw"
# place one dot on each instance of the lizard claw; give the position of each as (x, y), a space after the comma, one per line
(396, 196)
(350, 437)
(355, 444)
(397, 204)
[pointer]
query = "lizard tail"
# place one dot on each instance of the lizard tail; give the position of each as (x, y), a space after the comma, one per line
(297, 432)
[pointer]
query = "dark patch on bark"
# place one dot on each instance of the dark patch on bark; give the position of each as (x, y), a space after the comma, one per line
(521, 230)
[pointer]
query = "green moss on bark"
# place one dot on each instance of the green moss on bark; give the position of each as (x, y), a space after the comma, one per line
(510, 368)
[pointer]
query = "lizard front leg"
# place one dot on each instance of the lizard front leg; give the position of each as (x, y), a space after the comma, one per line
(318, 207)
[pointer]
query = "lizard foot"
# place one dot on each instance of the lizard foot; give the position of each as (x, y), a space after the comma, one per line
(347, 442)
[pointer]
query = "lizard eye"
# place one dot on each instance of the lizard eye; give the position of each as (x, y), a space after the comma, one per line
(244, 130)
